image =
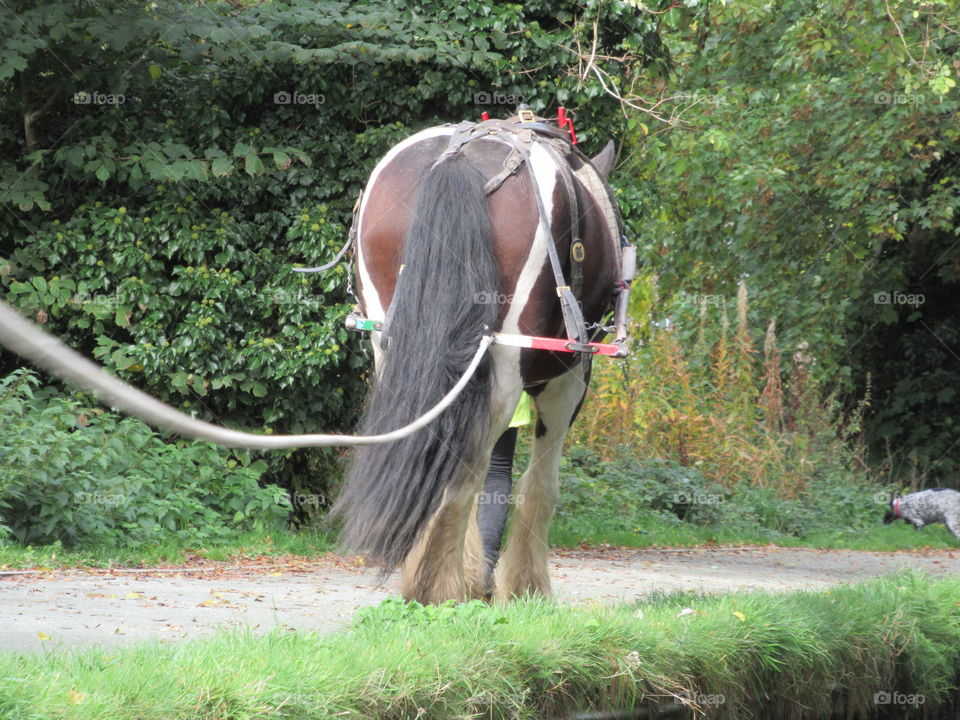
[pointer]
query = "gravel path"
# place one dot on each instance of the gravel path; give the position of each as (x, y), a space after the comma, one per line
(84, 608)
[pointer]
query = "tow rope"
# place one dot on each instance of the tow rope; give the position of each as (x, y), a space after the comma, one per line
(26, 339)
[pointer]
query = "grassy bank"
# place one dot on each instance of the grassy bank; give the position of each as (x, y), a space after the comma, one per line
(171, 551)
(638, 502)
(801, 654)
(591, 530)
(658, 531)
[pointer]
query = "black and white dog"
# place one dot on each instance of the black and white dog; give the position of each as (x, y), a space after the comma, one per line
(938, 505)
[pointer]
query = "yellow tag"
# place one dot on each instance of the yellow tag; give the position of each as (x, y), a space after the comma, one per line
(521, 416)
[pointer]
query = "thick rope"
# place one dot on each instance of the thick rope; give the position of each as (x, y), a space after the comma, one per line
(32, 343)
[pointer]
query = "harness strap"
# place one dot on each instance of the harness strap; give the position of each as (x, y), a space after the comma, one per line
(577, 253)
(520, 143)
(511, 164)
(570, 300)
(388, 318)
(569, 304)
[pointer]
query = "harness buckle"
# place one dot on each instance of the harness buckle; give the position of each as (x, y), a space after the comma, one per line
(577, 252)
(588, 348)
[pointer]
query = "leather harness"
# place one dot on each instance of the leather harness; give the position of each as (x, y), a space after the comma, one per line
(521, 137)
(521, 134)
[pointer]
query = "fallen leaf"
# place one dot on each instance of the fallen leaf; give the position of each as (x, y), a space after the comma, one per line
(42, 636)
(740, 616)
(213, 603)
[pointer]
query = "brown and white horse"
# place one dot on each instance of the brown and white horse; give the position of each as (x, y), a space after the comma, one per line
(443, 262)
(453, 244)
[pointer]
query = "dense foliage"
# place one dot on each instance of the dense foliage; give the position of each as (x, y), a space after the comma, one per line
(77, 475)
(811, 149)
(626, 495)
(165, 165)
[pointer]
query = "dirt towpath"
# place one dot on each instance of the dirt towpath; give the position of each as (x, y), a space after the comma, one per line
(99, 607)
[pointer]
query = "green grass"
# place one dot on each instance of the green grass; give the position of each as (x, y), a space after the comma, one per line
(733, 655)
(170, 552)
(655, 531)
(591, 532)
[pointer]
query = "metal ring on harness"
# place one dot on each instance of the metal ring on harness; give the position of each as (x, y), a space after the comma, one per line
(577, 251)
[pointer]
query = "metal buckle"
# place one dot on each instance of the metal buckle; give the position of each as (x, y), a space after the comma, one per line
(577, 252)
(588, 348)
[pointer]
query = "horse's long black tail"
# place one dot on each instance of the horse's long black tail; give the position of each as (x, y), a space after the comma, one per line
(444, 299)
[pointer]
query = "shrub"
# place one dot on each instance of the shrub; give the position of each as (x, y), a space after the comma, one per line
(84, 476)
(621, 489)
(620, 492)
(697, 392)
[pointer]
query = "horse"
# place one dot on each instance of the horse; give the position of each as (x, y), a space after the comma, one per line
(452, 235)
(464, 234)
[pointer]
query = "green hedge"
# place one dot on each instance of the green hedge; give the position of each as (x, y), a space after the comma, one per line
(74, 474)
(158, 232)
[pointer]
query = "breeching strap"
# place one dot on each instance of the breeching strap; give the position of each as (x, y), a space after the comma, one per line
(38, 346)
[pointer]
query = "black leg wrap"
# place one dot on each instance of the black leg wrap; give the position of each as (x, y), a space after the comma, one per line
(494, 502)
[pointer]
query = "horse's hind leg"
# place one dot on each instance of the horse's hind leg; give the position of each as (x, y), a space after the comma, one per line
(433, 571)
(447, 561)
(524, 567)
